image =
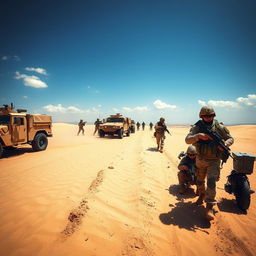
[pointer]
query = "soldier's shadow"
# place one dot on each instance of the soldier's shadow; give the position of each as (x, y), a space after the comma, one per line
(229, 205)
(186, 215)
(153, 149)
(174, 190)
(16, 152)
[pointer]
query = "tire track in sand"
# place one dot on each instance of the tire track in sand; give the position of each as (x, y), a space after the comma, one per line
(76, 215)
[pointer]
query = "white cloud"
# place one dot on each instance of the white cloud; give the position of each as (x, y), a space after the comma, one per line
(32, 81)
(162, 105)
(115, 110)
(24, 97)
(250, 100)
(15, 57)
(38, 70)
(223, 104)
(60, 109)
(201, 102)
(135, 109)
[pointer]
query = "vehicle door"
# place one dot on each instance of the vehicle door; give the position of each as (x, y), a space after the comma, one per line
(19, 133)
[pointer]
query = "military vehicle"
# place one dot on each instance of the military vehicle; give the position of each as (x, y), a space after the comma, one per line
(18, 127)
(115, 125)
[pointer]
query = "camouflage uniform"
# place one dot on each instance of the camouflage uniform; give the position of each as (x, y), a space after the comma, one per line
(97, 125)
(160, 128)
(208, 159)
(81, 125)
(151, 125)
(185, 176)
(143, 126)
(138, 126)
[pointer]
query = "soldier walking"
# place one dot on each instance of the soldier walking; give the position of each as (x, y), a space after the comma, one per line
(138, 126)
(97, 125)
(208, 156)
(81, 125)
(150, 126)
(160, 129)
(143, 125)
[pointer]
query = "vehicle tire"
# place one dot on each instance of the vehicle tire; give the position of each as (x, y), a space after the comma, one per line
(243, 193)
(1, 150)
(40, 142)
(101, 133)
(120, 133)
(128, 133)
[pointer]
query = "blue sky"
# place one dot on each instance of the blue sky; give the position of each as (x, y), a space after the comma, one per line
(145, 59)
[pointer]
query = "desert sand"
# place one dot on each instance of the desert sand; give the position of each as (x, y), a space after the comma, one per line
(94, 196)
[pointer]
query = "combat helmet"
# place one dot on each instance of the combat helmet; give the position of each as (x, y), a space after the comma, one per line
(206, 110)
(162, 119)
(191, 149)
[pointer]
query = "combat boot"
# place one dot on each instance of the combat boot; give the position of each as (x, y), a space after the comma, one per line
(200, 199)
(161, 150)
(209, 212)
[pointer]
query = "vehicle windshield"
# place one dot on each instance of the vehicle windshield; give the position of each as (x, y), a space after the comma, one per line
(4, 120)
(115, 120)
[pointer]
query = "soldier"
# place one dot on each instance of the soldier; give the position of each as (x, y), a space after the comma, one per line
(97, 125)
(186, 175)
(208, 157)
(160, 129)
(81, 125)
(143, 126)
(150, 126)
(138, 126)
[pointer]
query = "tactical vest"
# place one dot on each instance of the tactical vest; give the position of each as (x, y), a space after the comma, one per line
(208, 149)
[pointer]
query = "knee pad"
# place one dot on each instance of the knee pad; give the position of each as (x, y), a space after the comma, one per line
(211, 183)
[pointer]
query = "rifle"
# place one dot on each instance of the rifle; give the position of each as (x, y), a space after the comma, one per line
(217, 140)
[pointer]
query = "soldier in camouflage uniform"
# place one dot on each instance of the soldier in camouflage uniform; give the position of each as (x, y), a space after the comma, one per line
(138, 125)
(208, 157)
(160, 129)
(186, 175)
(151, 126)
(81, 125)
(143, 125)
(97, 125)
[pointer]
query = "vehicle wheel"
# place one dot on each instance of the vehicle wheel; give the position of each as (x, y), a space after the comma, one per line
(128, 133)
(101, 133)
(120, 133)
(243, 194)
(1, 150)
(40, 142)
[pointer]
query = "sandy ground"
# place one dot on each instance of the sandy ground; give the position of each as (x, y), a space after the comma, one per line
(87, 195)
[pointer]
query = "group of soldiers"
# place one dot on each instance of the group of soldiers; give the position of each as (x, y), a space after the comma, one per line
(143, 125)
(202, 160)
(203, 157)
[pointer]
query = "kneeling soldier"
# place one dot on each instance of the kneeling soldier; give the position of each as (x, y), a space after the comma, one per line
(186, 175)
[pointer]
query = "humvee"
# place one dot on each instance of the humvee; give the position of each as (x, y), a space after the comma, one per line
(116, 125)
(18, 127)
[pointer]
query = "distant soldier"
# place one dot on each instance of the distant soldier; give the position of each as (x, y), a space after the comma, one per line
(97, 125)
(186, 174)
(151, 126)
(209, 155)
(138, 126)
(160, 129)
(81, 125)
(143, 125)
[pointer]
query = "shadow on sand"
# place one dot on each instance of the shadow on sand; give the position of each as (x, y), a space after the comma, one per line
(174, 190)
(154, 149)
(229, 205)
(16, 152)
(186, 215)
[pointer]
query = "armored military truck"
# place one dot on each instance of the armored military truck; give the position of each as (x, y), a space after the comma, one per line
(17, 127)
(116, 125)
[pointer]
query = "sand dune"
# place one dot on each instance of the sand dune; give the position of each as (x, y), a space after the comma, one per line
(87, 195)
